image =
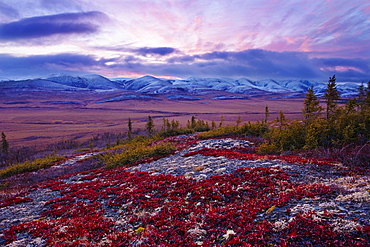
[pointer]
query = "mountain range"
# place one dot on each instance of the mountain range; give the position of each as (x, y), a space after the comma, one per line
(148, 87)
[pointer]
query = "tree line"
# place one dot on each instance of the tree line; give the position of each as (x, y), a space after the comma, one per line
(325, 125)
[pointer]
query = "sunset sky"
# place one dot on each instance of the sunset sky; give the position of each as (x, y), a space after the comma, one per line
(256, 39)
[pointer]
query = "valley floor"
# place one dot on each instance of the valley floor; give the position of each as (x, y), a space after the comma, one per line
(37, 122)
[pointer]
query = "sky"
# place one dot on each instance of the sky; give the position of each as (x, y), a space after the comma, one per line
(255, 39)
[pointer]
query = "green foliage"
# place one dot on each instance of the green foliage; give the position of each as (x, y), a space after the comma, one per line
(248, 129)
(316, 133)
(135, 151)
(197, 125)
(331, 96)
(174, 132)
(312, 108)
(267, 148)
(253, 129)
(223, 131)
(29, 166)
(286, 138)
(348, 124)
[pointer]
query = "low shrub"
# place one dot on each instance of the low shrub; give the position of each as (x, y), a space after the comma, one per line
(175, 132)
(134, 153)
(248, 129)
(223, 131)
(29, 166)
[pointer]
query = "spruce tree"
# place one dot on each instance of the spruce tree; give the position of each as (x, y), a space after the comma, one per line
(4, 144)
(367, 98)
(267, 113)
(150, 126)
(193, 122)
(312, 106)
(331, 97)
(213, 124)
(129, 132)
(361, 98)
(281, 119)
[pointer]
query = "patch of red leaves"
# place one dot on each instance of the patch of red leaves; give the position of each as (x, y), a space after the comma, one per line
(166, 210)
(233, 154)
(14, 200)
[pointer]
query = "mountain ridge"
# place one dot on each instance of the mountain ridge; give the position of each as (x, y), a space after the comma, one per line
(194, 86)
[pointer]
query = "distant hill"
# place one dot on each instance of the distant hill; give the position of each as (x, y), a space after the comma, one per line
(191, 86)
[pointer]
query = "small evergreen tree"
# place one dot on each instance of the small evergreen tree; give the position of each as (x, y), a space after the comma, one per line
(361, 98)
(150, 126)
(4, 144)
(129, 132)
(367, 99)
(267, 113)
(175, 124)
(213, 124)
(193, 122)
(312, 106)
(281, 119)
(331, 97)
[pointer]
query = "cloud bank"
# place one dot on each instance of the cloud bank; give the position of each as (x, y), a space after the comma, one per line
(253, 63)
(42, 26)
(210, 38)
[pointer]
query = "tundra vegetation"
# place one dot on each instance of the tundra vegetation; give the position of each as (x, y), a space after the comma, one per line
(173, 210)
(325, 129)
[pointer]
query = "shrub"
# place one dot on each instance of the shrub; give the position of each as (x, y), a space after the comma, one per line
(223, 131)
(248, 129)
(267, 148)
(287, 138)
(29, 166)
(134, 153)
(175, 132)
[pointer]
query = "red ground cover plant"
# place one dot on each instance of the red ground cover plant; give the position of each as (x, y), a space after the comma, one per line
(14, 200)
(121, 208)
(233, 154)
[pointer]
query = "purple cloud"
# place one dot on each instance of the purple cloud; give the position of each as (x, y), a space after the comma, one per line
(43, 26)
(252, 64)
(42, 65)
(161, 51)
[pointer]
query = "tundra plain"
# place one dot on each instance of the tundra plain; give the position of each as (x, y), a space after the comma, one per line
(38, 118)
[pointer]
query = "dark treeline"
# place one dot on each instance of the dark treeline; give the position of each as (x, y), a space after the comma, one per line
(345, 128)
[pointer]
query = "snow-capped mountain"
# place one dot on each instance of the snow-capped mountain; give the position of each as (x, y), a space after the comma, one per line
(199, 86)
(87, 82)
(191, 86)
(34, 85)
